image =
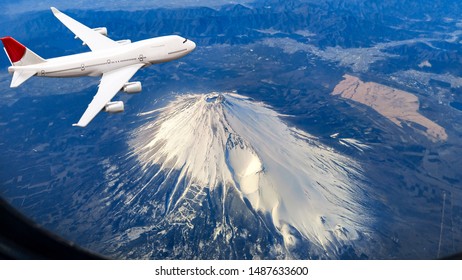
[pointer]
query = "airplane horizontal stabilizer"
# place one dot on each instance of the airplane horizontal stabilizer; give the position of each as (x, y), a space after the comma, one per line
(20, 76)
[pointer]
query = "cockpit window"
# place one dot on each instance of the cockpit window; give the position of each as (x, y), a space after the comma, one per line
(185, 40)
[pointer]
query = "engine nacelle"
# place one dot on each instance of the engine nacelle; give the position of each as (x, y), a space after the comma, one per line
(101, 30)
(132, 87)
(114, 107)
(124, 42)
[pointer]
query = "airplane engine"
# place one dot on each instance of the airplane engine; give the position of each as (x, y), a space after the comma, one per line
(114, 107)
(124, 42)
(101, 30)
(132, 87)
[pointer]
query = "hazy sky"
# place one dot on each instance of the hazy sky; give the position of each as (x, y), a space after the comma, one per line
(20, 6)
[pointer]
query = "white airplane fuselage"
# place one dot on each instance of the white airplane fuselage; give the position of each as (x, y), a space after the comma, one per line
(95, 63)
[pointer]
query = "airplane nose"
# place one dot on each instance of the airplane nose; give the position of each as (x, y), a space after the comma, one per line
(192, 45)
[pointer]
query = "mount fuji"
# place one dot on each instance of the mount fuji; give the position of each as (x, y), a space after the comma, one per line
(221, 143)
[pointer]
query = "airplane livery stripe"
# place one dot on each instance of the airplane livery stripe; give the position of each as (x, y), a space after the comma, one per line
(14, 49)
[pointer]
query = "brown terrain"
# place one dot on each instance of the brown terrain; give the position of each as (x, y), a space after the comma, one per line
(396, 105)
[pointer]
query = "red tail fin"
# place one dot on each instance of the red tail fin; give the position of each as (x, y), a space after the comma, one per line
(14, 49)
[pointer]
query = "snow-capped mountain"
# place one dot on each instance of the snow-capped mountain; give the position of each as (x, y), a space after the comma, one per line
(227, 142)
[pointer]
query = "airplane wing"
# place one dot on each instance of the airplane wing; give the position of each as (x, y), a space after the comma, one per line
(93, 39)
(110, 85)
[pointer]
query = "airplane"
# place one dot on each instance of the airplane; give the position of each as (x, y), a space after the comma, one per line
(115, 61)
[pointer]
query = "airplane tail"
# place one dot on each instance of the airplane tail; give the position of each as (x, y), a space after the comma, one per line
(19, 55)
